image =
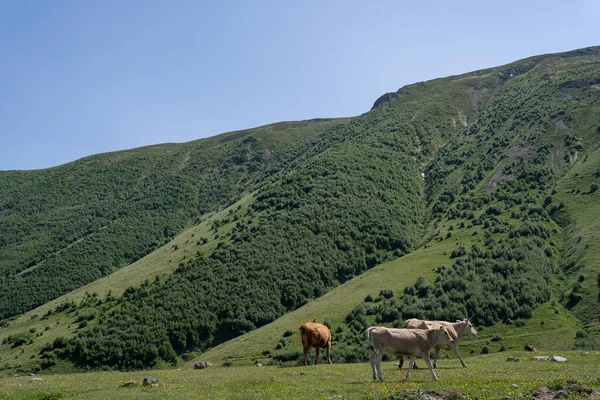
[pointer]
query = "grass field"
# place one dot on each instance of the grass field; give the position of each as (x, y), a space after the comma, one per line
(487, 377)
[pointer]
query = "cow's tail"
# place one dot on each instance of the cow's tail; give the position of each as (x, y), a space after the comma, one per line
(370, 340)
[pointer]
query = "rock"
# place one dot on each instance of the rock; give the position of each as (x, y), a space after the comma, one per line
(451, 394)
(540, 358)
(202, 365)
(31, 374)
(561, 394)
(36, 379)
(513, 358)
(529, 347)
(559, 359)
(260, 365)
(129, 384)
(151, 382)
(337, 396)
(543, 393)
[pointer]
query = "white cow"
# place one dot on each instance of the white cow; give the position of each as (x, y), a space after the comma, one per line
(404, 342)
(456, 330)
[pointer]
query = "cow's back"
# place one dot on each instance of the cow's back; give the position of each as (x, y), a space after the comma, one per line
(315, 335)
(414, 323)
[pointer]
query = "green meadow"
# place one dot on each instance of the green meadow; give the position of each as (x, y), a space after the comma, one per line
(487, 377)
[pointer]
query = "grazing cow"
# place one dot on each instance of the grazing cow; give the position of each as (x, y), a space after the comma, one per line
(529, 347)
(202, 365)
(317, 336)
(456, 330)
(404, 342)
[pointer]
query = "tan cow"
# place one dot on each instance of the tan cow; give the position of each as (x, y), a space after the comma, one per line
(404, 342)
(456, 330)
(317, 336)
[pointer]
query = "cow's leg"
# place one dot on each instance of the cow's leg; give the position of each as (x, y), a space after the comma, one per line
(428, 362)
(306, 355)
(400, 362)
(435, 357)
(378, 366)
(373, 361)
(457, 351)
(329, 352)
(317, 355)
(411, 361)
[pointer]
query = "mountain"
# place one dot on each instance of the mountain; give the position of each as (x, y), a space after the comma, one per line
(494, 173)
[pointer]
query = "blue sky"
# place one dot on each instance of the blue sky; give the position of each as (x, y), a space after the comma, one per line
(84, 77)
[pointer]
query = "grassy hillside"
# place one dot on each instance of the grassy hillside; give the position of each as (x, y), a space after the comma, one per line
(67, 226)
(467, 195)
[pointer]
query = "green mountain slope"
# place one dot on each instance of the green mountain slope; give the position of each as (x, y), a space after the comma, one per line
(489, 176)
(67, 226)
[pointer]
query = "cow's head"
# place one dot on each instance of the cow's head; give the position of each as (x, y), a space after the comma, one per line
(468, 330)
(443, 336)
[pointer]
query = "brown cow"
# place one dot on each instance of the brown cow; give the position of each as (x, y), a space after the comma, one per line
(529, 347)
(456, 330)
(317, 336)
(404, 342)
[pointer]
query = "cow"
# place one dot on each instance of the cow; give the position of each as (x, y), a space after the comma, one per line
(404, 342)
(317, 336)
(202, 365)
(529, 347)
(456, 330)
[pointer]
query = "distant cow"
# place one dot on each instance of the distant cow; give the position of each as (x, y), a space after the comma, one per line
(456, 330)
(404, 342)
(317, 336)
(529, 347)
(202, 365)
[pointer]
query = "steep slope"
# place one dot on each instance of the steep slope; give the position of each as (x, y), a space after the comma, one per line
(67, 226)
(502, 153)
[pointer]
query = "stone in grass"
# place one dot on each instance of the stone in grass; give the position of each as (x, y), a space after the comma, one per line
(513, 358)
(129, 384)
(559, 359)
(540, 358)
(151, 382)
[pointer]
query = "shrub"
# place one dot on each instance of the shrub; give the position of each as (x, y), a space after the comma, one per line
(458, 252)
(387, 293)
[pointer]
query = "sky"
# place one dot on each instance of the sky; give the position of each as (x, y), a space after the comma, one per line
(84, 77)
